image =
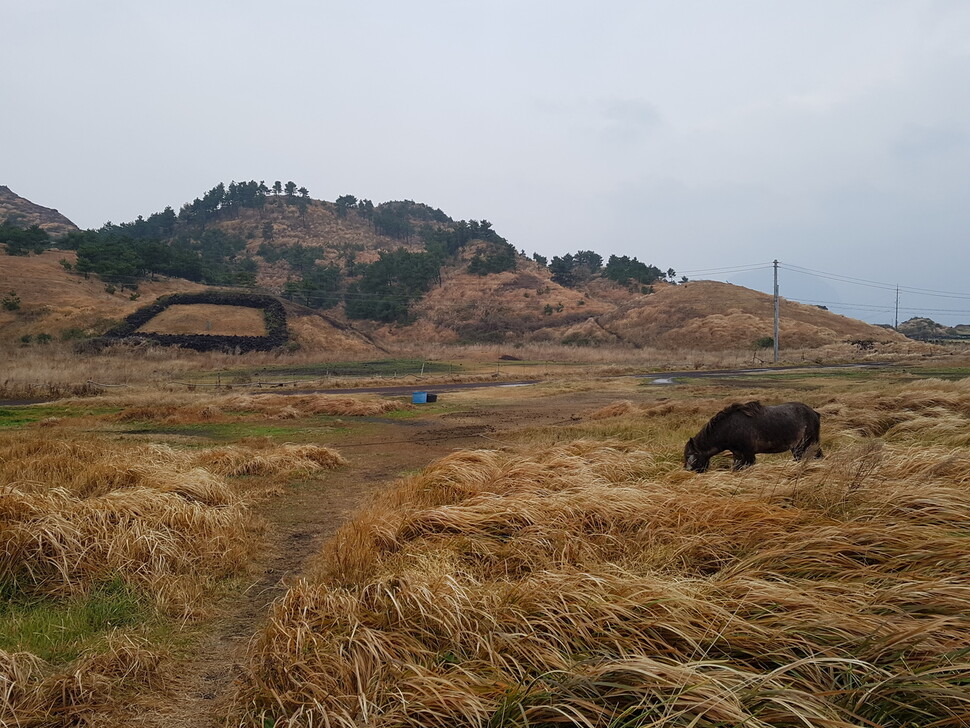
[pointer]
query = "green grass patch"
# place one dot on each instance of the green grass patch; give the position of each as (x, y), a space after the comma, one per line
(222, 431)
(308, 430)
(853, 374)
(950, 373)
(60, 630)
(19, 416)
(317, 370)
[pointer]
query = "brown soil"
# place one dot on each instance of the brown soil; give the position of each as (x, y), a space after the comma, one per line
(312, 511)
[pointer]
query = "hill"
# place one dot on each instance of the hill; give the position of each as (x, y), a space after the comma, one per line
(57, 303)
(16, 209)
(356, 273)
(711, 315)
(925, 329)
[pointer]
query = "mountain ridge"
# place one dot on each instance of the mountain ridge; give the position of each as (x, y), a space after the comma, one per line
(17, 209)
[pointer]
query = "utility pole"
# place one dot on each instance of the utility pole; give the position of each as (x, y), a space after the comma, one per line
(896, 319)
(775, 263)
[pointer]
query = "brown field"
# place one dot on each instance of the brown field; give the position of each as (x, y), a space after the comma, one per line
(505, 557)
(204, 318)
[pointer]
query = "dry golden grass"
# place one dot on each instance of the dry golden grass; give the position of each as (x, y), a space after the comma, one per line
(196, 407)
(284, 406)
(78, 511)
(289, 459)
(597, 583)
(208, 319)
(510, 304)
(54, 300)
(719, 316)
(616, 409)
(34, 694)
(931, 410)
(56, 370)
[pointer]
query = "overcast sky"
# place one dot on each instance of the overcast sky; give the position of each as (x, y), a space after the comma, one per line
(833, 135)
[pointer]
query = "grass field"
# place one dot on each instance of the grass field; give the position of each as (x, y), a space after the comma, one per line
(508, 557)
(580, 576)
(210, 319)
(113, 546)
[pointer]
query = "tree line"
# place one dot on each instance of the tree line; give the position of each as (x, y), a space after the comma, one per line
(23, 240)
(577, 270)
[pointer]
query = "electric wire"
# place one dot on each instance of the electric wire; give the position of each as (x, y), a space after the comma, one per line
(875, 284)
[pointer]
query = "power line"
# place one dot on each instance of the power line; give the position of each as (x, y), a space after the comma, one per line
(732, 269)
(841, 304)
(876, 284)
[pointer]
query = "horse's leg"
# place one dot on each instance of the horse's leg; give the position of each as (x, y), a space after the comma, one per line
(742, 460)
(811, 447)
(808, 446)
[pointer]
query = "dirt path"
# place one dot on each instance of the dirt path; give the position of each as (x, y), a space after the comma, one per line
(307, 515)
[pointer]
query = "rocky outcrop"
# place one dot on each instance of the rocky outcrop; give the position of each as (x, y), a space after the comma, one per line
(24, 213)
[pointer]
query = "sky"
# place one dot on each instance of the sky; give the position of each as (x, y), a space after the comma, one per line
(707, 136)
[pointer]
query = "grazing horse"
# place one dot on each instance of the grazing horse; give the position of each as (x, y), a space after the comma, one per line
(746, 429)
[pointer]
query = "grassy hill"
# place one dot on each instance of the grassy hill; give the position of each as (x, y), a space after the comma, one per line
(396, 272)
(712, 315)
(62, 305)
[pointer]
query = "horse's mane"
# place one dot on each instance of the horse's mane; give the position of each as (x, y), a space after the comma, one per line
(748, 409)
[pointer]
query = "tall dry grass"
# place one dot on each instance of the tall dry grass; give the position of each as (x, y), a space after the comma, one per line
(79, 511)
(34, 694)
(285, 459)
(597, 583)
(283, 406)
(60, 366)
(198, 407)
(667, 358)
(82, 511)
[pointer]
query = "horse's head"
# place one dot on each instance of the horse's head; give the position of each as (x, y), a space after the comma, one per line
(694, 459)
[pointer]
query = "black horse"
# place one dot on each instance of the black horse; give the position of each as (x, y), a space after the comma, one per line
(746, 429)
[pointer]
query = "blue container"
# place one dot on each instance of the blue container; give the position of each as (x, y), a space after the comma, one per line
(419, 398)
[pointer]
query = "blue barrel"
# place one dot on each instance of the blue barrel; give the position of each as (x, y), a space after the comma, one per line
(419, 398)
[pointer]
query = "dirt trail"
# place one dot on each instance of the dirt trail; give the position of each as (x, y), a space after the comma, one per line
(308, 514)
(299, 523)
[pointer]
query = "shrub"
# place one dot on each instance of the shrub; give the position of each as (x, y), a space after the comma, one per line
(10, 302)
